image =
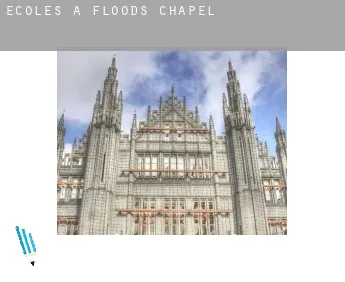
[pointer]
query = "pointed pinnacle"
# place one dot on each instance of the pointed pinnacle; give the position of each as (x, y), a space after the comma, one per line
(230, 65)
(211, 119)
(211, 123)
(245, 98)
(134, 122)
(62, 120)
(113, 61)
(98, 97)
(246, 102)
(172, 90)
(278, 126)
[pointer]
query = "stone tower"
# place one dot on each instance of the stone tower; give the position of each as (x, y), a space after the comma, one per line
(101, 161)
(61, 131)
(244, 173)
(281, 149)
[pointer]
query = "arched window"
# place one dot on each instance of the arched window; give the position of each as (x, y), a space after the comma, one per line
(63, 193)
(278, 195)
(268, 195)
(74, 193)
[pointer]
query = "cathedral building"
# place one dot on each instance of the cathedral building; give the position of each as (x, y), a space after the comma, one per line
(172, 174)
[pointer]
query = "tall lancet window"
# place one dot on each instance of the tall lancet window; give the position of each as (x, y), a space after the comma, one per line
(278, 195)
(140, 164)
(268, 195)
(63, 193)
(192, 165)
(147, 165)
(173, 166)
(154, 166)
(74, 193)
(180, 166)
(166, 165)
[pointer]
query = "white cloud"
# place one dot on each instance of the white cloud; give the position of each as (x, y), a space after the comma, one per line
(81, 74)
(250, 72)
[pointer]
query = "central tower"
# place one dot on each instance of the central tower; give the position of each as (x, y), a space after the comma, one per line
(245, 178)
(101, 161)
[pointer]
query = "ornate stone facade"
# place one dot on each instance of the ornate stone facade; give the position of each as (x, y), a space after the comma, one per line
(172, 175)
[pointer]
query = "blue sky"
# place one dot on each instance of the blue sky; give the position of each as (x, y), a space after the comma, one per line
(200, 76)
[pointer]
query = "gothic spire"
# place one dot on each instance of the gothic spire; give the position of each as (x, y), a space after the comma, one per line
(233, 88)
(278, 126)
(281, 149)
(134, 121)
(112, 67)
(280, 132)
(61, 124)
(149, 113)
(231, 84)
(211, 123)
(172, 91)
(61, 131)
(109, 98)
(230, 65)
(113, 62)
